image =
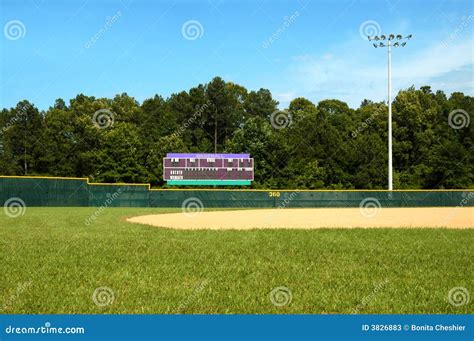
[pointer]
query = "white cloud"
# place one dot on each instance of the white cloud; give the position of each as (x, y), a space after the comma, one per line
(352, 73)
(285, 97)
(438, 60)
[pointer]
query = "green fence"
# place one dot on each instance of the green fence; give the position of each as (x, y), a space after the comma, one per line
(119, 195)
(46, 191)
(79, 192)
(219, 198)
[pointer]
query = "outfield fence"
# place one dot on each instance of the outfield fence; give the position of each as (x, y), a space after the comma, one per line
(49, 191)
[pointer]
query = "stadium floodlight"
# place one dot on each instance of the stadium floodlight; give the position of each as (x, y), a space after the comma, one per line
(375, 45)
(389, 50)
(376, 38)
(382, 37)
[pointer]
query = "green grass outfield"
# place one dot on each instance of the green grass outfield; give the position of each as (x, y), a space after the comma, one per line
(52, 263)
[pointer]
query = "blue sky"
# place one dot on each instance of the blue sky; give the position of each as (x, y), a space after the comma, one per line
(315, 49)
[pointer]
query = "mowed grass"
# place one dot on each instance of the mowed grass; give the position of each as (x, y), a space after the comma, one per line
(52, 263)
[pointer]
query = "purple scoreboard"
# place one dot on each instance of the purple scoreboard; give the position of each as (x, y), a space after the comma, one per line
(207, 169)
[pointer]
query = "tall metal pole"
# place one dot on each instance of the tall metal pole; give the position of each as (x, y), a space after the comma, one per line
(390, 178)
(379, 42)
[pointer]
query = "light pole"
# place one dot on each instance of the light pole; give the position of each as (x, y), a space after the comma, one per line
(401, 42)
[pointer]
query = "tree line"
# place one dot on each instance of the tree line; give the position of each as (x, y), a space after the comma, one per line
(306, 146)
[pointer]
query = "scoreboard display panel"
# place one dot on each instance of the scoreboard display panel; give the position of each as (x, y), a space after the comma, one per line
(207, 169)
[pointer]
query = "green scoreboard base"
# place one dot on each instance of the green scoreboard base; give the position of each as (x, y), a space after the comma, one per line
(209, 182)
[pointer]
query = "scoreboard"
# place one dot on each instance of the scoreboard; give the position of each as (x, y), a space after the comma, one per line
(207, 169)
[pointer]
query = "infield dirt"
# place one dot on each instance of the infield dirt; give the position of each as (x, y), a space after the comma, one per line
(313, 218)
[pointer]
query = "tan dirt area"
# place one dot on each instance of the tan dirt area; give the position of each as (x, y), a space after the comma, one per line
(313, 218)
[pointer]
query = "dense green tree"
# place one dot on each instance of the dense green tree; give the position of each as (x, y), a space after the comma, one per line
(22, 139)
(255, 138)
(327, 145)
(154, 161)
(220, 115)
(259, 103)
(120, 159)
(60, 139)
(157, 120)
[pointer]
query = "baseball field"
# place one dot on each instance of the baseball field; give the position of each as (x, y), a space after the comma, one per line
(54, 262)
